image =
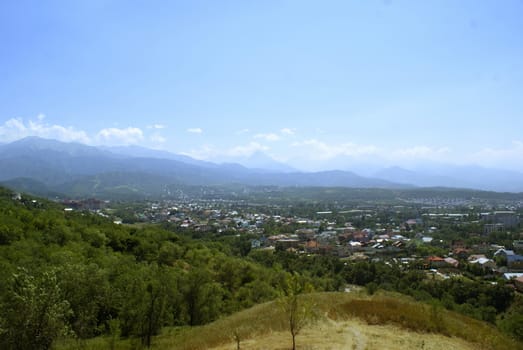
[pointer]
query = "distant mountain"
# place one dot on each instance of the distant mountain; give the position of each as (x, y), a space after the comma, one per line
(32, 186)
(76, 169)
(334, 178)
(473, 177)
(485, 178)
(142, 152)
(400, 175)
(53, 162)
(119, 185)
(262, 161)
(53, 167)
(37, 145)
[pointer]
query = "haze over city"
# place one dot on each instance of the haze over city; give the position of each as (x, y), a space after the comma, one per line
(314, 85)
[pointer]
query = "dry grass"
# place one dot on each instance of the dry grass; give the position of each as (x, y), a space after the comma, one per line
(255, 322)
(346, 321)
(387, 321)
(353, 335)
(417, 317)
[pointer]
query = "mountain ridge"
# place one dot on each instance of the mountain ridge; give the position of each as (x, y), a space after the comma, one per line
(61, 166)
(57, 165)
(465, 176)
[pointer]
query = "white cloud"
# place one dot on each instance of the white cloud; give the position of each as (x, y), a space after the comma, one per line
(18, 128)
(242, 131)
(423, 152)
(246, 150)
(157, 138)
(205, 152)
(15, 129)
(118, 136)
(210, 152)
(319, 150)
(195, 130)
(267, 137)
(275, 136)
(511, 156)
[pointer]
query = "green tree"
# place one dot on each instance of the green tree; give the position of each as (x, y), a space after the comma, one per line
(34, 312)
(202, 296)
(87, 290)
(143, 301)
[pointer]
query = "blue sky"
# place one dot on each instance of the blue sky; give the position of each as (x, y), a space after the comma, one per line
(317, 84)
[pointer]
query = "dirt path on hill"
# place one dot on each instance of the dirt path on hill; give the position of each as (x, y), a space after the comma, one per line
(358, 340)
(354, 339)
(351, 335)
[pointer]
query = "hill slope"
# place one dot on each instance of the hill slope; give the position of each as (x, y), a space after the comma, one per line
(348, 321)
(344, 321)
(355, 335)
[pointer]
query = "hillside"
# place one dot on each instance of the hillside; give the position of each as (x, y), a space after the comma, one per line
(94, 272)
(355, 335)
(344, 321)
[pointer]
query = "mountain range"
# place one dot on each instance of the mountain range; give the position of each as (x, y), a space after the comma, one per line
(75, 169)
(46, 166)
(465, 176)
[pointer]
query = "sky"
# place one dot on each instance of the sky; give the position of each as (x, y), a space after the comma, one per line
(314, 84)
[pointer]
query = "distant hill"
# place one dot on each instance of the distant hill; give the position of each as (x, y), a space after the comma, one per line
(142, 152)
(264, 163)
(49, 167)
(32, 186)
(472, 177)
(76, 169)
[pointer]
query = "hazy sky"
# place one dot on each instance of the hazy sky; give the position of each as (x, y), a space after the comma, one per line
(314, 83)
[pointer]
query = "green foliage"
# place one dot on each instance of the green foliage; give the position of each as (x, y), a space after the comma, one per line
(511, 322)
(34, 311)
(371, 288)
(97, 273)
(114, 333)
(202, 296)
(473, 298)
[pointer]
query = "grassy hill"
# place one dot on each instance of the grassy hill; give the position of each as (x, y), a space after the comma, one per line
(343, 321)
